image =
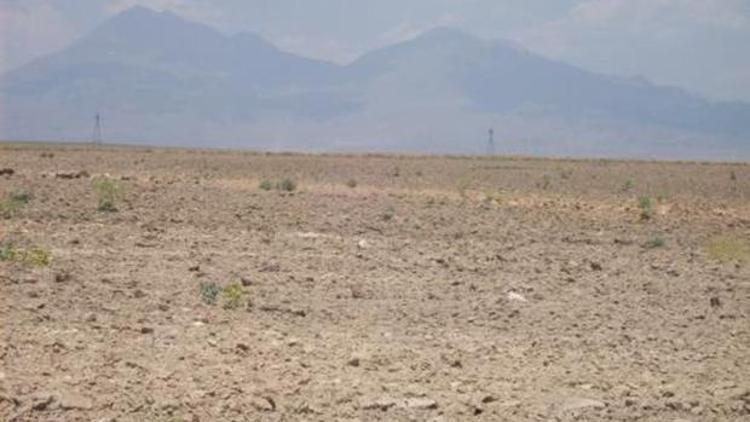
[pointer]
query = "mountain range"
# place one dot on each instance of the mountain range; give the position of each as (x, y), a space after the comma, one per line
(159, 79)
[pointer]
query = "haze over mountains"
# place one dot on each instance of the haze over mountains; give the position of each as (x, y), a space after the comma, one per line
(161, 80)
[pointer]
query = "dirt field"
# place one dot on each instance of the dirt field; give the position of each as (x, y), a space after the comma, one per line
(381, 288)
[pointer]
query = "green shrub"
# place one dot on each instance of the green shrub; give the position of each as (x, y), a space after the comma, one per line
(655, 242)
(109, 192)
(15, 201)
(209, 293)
(388, 214)
(287, 185)
(545, 183)
(7, 252)
(21, 195)
(266, 185)
(729, 248)
(647, 207)
(629, 185)
(35, 256)
(234, 296)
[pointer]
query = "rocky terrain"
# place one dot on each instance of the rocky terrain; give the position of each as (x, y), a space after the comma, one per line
(185, 285)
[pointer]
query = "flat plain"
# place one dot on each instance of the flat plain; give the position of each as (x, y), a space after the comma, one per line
(146, 284)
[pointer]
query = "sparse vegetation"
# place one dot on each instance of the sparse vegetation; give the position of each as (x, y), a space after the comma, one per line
(729, 248)
(7, 252)
(351, 183)
(37, 257)
(234, 296)
(655, 242)
(287, 185)
(732, 176)
(629, 185)
(34, 256)
(21, 195)
(490, 197)
(545, 183)
(108, 191)
(388, 214)
(209, 293)
(463, 186)
(646, 204)
(15, 201)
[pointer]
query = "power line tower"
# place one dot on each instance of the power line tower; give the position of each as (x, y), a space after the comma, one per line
(96, 137)
(491, 143)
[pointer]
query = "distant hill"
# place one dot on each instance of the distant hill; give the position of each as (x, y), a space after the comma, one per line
(159, 79)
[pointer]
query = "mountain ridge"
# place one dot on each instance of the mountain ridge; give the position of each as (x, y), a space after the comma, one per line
(159, 77)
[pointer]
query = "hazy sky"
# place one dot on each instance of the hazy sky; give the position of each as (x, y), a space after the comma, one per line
(701, 45)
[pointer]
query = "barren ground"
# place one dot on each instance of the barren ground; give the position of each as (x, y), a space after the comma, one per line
(436, 289)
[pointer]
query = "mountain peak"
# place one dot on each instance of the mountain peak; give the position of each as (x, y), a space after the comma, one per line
(140, 16)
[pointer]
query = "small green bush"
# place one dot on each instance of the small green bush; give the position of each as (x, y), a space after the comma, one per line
(21, 195)
(266, 185)
(655, 242)
(629, 185)
(388, 214)
(35, 256)
(287, 185)
(109, 192)
(209, 293)
(15, 201)
(729, 248)
(234, 296)
(647, 207)
(545, 183)
(7, 252)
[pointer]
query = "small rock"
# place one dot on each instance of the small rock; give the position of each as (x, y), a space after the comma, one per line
(596, 266)
(194, 268)
(270, 268)
(7, 172)
(147, 330)
(513, 296)
(293, 342)
(715, 302)
(424, 404)
(72, 175)
(381, 404)
(73, 401)
(246, 282)
(488, 399)
(62, 277)
(354, 361)
(263, 404)
(41, 401)
(582, 403)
